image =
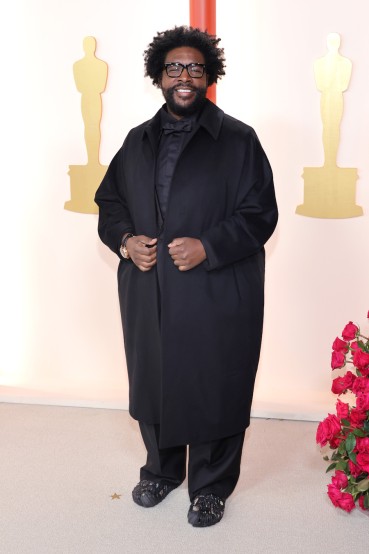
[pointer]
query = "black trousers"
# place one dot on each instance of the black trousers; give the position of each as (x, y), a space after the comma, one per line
(213, 467)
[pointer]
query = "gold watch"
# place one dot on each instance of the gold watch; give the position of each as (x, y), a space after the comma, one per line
(123, 247)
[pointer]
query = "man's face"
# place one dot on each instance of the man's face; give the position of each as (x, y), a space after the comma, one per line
(184, 94)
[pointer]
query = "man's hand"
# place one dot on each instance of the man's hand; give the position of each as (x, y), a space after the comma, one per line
(142, 251)
(187, 253)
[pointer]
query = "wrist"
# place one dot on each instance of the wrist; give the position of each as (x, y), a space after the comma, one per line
(123, 248)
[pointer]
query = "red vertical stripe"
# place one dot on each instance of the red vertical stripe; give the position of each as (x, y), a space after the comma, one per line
(203, 16)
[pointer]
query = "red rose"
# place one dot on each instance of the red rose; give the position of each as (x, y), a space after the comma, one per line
(354, 469)
(334, 494)
(365, 371)
(340, 345)
(338, 360)
(360, 359)
(362, 460)
(357, 417)
(361, 498)
(341, 384)
(361, 385)
(362, 445)
(342, 409)
(349, 332)
(339, 479)
(362, 402)
(327, 429)
(354, 345)
(340, 499)
(334, 443)
(346, 502)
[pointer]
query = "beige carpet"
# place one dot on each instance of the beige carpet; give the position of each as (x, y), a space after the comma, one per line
(60, 466)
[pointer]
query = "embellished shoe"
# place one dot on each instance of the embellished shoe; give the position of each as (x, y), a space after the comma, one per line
(206, 510)
(150, 493)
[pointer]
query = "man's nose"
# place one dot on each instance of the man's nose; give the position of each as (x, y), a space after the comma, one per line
(185, 76)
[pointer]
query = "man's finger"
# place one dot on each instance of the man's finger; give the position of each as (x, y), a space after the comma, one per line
(176, 242)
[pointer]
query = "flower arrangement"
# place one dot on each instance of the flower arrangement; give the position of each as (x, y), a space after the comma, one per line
(347, 431)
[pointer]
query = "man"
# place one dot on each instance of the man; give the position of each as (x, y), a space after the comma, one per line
(187, 204)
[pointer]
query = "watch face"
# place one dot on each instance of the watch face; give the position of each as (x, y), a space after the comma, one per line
(123, 247)
(124, 252)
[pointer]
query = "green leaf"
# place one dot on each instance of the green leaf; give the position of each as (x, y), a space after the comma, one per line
(352, 456)
(342, 466)
(366, 426)
(326, 458)
(330, 467)
(346, 422)
(359, 433)
(366, 500)
(361, 344)
(363, 485)
(342, 448)
(337, 455)
(352, 490)
(350, 442)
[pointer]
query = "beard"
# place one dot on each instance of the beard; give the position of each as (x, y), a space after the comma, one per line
(183, 111)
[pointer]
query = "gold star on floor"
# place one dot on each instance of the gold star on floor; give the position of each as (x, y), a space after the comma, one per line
(115, 496)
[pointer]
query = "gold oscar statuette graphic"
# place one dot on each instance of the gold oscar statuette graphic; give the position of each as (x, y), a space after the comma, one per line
(330, 191)
(90, 76)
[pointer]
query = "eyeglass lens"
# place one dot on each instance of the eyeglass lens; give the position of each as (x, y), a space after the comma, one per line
(194, 70)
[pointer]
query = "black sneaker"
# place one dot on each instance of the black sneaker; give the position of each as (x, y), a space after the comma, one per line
(206, 510)
(150, 493)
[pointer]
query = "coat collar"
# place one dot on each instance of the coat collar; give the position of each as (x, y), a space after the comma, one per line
(211, 118)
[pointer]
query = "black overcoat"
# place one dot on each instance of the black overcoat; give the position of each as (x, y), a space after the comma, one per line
(192, 348)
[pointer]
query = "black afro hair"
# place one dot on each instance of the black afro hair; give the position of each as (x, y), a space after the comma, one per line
(207, 44)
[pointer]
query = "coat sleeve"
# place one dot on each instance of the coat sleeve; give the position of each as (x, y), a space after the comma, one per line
(255, 213)
(114, 216)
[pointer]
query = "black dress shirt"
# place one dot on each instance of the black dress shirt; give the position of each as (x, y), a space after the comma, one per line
(174, 135)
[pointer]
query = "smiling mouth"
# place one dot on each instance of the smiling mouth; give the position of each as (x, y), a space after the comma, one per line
(183, 90)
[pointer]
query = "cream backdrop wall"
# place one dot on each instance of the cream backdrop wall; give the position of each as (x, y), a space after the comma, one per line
(60, 324)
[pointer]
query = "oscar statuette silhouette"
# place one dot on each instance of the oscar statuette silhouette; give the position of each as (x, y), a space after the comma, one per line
(330, 191)
(90, 76)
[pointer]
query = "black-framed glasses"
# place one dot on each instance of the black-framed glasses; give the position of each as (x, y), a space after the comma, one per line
(175, 69)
